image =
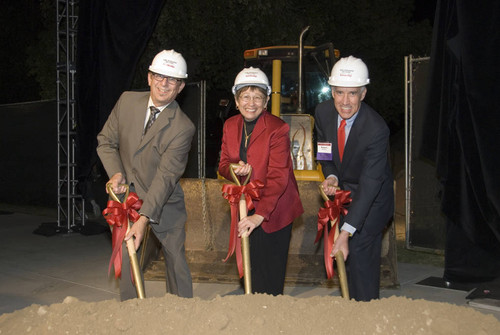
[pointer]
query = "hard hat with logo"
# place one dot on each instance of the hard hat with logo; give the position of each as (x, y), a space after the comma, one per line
(169, 63)
(251, 77)
(349, 72)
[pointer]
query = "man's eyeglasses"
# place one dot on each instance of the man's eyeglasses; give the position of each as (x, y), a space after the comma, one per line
(170, 80)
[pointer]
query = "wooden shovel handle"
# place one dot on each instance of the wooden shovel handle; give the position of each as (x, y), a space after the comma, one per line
(245, 241)
(339, 256)
(325, 197)
(344, 288)
(134, 264)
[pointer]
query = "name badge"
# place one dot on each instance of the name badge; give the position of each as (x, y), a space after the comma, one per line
(324, 151)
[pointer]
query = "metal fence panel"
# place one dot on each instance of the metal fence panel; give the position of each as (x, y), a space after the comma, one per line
(425, 224)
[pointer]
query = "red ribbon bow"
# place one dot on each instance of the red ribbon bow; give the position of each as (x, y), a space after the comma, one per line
(331, 212)
(233, 193)
(118, 214)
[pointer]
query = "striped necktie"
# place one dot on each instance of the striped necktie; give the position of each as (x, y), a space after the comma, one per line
(153, 114)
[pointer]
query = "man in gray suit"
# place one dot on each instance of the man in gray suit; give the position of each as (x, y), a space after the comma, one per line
(145, 143)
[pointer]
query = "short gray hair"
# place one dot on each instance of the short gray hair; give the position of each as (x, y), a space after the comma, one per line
(362, 88)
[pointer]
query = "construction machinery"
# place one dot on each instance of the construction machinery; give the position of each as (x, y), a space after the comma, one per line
(299, 77)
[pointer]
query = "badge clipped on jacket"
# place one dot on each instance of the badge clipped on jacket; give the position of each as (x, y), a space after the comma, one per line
(324, 152)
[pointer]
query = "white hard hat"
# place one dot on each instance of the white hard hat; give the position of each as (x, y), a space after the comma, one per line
(251, 77)
(349, 72)
(169, 63)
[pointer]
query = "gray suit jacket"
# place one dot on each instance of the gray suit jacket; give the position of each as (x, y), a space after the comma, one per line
(153, 164)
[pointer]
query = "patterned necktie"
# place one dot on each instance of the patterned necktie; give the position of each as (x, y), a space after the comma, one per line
(153, 114)
(341, 139)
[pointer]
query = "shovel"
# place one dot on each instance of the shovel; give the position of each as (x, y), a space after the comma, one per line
(245, 243)
(339, 256)
(134, 264)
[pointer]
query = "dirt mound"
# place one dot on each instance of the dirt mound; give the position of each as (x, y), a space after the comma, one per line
(248, 314)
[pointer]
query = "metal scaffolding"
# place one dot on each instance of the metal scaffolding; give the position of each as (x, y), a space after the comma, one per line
(70, 204)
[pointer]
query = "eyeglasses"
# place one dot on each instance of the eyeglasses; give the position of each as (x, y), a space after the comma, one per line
(258, 99)
(170, 80)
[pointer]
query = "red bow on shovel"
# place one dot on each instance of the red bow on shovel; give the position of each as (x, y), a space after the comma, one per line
(331, 213)
(118, 215)
(240, 199)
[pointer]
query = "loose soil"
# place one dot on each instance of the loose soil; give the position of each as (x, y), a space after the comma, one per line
(249, 314)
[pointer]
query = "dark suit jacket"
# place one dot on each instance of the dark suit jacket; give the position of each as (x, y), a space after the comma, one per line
(268, 153)
(365, 168)
(155, 163)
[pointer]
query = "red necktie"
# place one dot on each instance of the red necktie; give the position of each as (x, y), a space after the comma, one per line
(341, 138)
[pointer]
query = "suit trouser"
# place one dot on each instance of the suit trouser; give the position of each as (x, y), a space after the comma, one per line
(177, 273)
(363, 266)
(268, 258)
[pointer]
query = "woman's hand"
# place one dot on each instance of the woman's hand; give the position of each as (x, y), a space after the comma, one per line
(248, 224)
(243, 169)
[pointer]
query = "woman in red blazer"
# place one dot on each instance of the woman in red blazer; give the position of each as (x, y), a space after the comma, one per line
(259, 142)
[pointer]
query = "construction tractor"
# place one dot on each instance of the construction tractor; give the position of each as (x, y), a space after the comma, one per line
(299, 77)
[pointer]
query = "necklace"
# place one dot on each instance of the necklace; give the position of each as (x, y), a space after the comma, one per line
(247, 136)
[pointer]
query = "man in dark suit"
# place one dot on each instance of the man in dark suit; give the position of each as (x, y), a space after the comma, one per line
(145, 143)
(353, 148)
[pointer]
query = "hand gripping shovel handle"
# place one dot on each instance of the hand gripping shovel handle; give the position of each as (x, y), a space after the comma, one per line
(134, 264)
(245, 243)
(339, 256)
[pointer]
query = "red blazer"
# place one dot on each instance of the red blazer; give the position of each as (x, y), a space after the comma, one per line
(269, 155)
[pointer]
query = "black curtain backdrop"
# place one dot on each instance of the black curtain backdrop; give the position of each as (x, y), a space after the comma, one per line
(463, 128)
(112, 35)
